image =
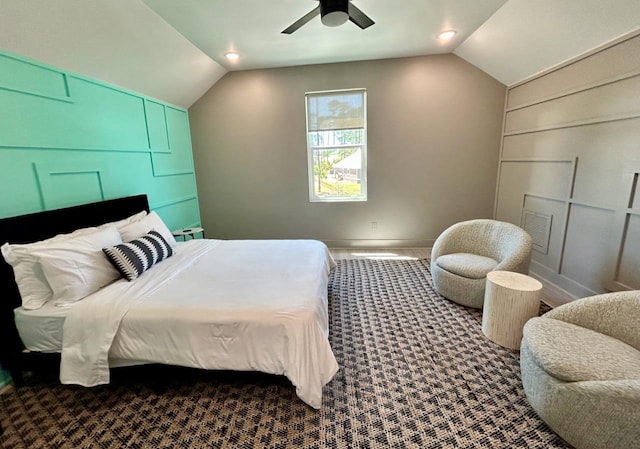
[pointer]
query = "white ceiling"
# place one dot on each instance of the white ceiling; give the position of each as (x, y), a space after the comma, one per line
(526, 37)
(173, 50)
(253, 29)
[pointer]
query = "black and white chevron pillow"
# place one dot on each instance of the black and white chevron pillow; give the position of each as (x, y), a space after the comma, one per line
(137, 256)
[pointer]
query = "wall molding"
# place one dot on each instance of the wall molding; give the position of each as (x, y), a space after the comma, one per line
(501, 156)
(544, 197)
(623, 215)
(574, 124)
(554, 275)
(63, 75)
(77, 76)
(49, 194)
(618, 237)
(610, 214)
(554, 294)
(91, 146)
(558, 282)
(164, 121)
(171, 202)
(574, 162)
(573, 60)
(101, 150)
(577, 90)
(158, 173)
(36, 94)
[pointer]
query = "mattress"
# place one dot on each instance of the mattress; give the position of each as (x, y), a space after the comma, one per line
(41, 329)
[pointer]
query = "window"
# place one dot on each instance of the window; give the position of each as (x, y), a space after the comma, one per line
(337, 145)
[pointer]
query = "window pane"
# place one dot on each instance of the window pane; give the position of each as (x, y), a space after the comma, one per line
(335, 111)
(337, 172)
(335, 138)
(337, 145)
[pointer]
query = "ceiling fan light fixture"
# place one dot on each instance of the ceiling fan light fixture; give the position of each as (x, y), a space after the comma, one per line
(334, 13)
(446, 35)
(335, 18)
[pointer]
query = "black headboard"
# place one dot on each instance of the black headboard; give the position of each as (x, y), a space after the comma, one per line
(39, 226)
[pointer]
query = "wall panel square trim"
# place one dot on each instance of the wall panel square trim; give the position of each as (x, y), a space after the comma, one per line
(62, 187)
(22, 76)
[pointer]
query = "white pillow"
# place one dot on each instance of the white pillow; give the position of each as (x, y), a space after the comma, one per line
(76, 267)
(151, 222)
(124, 222)
(32, 283)
(33, 286)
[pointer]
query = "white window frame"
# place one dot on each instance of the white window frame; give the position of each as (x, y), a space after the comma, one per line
(363, 152)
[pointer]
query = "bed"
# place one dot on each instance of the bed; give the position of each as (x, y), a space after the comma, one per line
(214, 304)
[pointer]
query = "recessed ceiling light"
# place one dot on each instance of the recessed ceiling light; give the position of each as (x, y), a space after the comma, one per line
(446, 35)
(232, 56)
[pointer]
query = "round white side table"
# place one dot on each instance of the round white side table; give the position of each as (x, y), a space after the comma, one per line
(510, 300)
(188, 232)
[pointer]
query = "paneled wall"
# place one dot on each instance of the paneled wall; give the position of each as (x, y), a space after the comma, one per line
(67, 139)
(569, 169)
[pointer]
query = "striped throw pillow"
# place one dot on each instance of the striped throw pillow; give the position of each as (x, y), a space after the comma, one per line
(137, 256)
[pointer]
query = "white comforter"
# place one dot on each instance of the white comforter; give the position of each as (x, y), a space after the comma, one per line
(238, 305)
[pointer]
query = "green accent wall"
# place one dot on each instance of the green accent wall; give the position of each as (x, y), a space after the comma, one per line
(66, 139)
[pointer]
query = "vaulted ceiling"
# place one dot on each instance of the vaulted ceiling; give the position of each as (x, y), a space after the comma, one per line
(174, 50)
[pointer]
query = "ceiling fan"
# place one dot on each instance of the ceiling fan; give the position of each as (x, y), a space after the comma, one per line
(333, 13)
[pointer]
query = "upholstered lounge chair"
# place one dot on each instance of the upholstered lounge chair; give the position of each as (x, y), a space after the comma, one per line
(581, 370)
(464, 253)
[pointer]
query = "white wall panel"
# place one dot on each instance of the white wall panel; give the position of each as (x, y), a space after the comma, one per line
(629, 271)
(607, 102)
(544, 178)
(617, 140)
(588, 238)
(587, 111)
(602, 66)
(634, 200)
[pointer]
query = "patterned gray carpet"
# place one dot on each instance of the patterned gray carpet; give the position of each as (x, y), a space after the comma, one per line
(416, 372)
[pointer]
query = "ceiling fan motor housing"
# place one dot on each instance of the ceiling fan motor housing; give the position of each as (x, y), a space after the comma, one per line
(334, 12)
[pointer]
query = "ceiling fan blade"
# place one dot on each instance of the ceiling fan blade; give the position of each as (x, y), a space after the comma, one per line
(358, 17)
(301, 21)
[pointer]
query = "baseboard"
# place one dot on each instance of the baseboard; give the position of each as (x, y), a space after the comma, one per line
(552, 294)
(379, 243)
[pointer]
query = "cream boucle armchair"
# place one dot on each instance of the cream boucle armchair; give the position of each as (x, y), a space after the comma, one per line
(580, 369)
(464, 253)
